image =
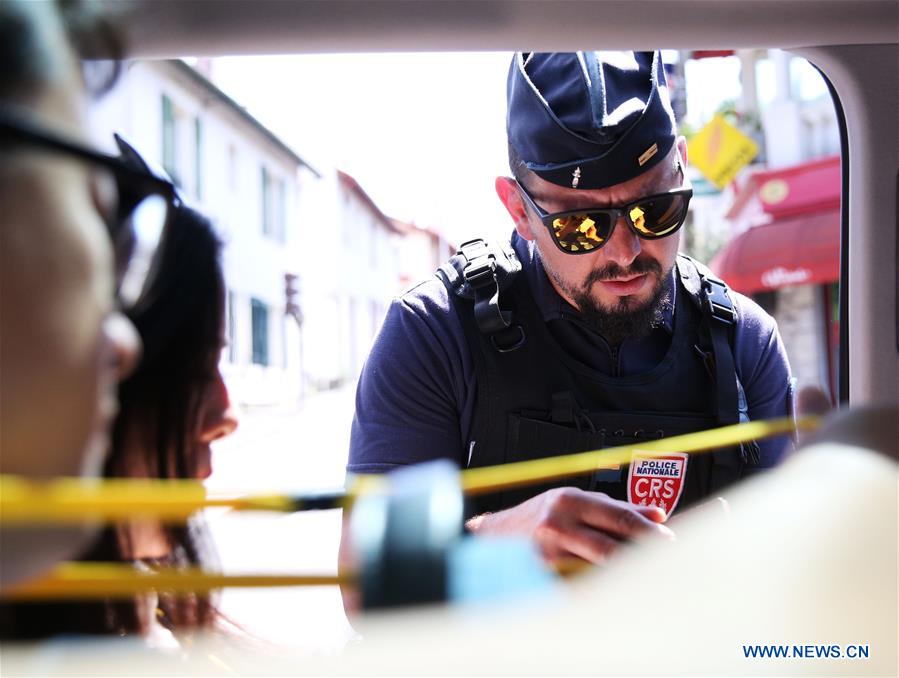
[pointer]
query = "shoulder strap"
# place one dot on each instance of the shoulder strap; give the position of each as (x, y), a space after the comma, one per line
(479, 271)
(712, 296)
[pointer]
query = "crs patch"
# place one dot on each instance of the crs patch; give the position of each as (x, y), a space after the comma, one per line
(657, 481)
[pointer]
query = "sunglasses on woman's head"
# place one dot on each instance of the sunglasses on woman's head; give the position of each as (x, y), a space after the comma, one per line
(145, 202)
(587, 229)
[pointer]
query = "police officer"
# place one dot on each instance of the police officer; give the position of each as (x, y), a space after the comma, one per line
(586, 330)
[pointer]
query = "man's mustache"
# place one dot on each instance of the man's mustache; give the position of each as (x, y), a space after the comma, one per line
(611, 270)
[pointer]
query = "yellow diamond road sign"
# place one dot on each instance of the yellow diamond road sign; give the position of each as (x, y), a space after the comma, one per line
(720, 150)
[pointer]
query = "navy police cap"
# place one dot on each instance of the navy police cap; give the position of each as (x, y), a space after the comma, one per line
(589, 120)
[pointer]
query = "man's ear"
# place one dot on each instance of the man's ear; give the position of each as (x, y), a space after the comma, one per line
(507, 190)
(682, 149)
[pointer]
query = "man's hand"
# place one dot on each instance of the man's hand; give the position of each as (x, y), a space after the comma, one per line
(566, 522)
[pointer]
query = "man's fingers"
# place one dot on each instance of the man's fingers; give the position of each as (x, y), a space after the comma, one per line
(588, 544)
(569, 522)
(654, 513)
(565, 540)
(618, 518)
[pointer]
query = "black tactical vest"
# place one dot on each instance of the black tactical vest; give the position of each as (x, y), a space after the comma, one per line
(534, 400)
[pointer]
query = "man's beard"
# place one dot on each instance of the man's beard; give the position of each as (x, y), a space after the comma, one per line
(627, 319)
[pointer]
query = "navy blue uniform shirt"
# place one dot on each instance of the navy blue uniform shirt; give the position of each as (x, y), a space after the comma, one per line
(416, 396)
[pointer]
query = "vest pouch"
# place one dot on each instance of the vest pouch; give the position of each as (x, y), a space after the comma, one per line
(533, 437)
(632, 428)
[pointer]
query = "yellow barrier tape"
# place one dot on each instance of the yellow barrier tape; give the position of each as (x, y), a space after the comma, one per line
(124, 498)
(516, 474)
(74, 581)
(76, 499)
(69, 500)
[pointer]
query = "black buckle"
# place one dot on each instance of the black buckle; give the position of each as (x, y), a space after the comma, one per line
(480, 273)
(717, 302)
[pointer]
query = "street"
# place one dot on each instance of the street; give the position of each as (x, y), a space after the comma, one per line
(284, 449)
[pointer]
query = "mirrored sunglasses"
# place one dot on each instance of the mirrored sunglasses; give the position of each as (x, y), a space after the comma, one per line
(588, 229)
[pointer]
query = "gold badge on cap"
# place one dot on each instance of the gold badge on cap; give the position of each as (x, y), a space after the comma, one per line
(575, 177)
(647, 154)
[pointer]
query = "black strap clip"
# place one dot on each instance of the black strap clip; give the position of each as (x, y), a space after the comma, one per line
(717, 302)
(480, 274)
(480, 271)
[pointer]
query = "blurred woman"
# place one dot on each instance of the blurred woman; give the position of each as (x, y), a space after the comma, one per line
(172, 408)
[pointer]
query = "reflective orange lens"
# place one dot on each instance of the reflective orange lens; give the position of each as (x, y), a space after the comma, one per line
(658, 217)
(580, 232)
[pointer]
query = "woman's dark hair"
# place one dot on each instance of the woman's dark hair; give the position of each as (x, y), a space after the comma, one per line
(181, 322)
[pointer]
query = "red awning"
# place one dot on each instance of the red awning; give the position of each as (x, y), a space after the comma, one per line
(798, 251)
(813, 186)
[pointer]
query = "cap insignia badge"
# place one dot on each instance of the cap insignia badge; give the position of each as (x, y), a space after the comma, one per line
(647, 154)
(575, 177)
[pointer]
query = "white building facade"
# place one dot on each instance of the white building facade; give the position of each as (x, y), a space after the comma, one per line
(421, 251)
(310, 261)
